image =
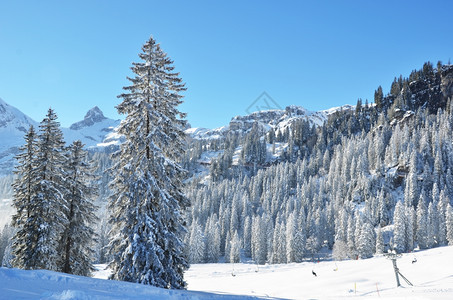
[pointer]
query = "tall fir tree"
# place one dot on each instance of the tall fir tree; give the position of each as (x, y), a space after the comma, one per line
(449, 224)
(400, 226)
(76, 244)
(47, 207)
(196, 244)
(148, 200)
(366, 245)
(24, 192)
(422, 223)
(379, 242)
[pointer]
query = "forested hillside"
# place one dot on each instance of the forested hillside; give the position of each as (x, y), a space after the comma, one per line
(372, 177)
(286, 185)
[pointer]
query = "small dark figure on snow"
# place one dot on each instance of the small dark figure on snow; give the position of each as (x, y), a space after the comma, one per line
(414, 260)
(313, 272)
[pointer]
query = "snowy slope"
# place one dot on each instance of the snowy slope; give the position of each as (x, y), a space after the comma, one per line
(431, 275)
(41, 284)
(13, 126)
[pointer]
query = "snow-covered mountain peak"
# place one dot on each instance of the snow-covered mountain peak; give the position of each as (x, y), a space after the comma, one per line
(93, 116)
(95, 131)
(12, 118)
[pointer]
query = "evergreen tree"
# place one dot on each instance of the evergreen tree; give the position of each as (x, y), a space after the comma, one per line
(449, 224)
(50, 207)
(76, 244)
(259, 246)
(196, 244)
(5, 239)
(340, 250)
(291, 236)
(433, 226)
(422, 223)
(212, 234)
(351, 237)
(235, 251)
(410, 226)
(148, 200)
(366, 242)
(247, 244)
(379, 241)
(47, 210)
(400, 224)
(378, 98)
(24, 192)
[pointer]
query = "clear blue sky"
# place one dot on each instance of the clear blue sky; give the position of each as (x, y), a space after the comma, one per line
(72, 55)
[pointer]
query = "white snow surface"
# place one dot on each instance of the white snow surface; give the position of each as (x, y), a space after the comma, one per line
(338, 108)
(42, 284)
(431, 275)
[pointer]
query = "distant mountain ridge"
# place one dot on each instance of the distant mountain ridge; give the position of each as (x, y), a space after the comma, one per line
(95, 131)
(277, 119)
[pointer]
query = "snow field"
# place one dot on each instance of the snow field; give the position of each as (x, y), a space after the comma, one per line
(431, 275)
(41, 284)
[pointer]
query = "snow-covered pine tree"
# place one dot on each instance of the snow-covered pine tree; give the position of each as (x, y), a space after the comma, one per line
(400, 225)
(366, 245)
(50, 208)
(433, 227)
(76, 245)
(351, 237)
(196, 244)
(422, 223)
(24, 191)
(235, 250)
(247, 243)
(291, 232)
(36, 245)
(410, 225)
(379, 241)
(449, 224)
(259, 246)
(6, 236)
(148, 200)
(212, 234)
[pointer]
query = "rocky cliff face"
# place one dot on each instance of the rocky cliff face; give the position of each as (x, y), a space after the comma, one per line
(276, 119)
(432, 91)
(446, 81)
(244, 123)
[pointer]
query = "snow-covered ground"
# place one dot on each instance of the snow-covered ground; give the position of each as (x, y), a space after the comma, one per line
(20, 284)
(432, 276)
